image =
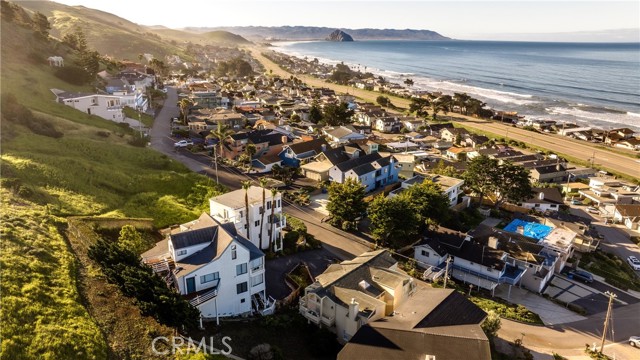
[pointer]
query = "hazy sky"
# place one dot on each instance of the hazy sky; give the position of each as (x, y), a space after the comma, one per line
(457, 19)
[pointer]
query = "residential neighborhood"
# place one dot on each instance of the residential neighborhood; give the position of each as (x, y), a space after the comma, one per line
(195, 193)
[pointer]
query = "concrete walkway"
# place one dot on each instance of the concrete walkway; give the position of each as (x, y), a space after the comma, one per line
(550, 312)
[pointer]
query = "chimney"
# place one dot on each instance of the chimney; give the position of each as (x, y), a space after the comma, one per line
(323, 147)
(558, 167)
(541, 195)
(353, 309)
(285, 139)
(493, 242)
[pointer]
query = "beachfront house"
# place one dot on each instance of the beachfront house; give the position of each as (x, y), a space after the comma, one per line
(216, 269)
(264, 224)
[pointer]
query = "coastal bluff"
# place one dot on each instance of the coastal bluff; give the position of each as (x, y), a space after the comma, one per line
(339, 35)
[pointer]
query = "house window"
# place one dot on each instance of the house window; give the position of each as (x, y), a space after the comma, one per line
(242, 301)
(268, 205)
(257, 222)
(182, 252)
(425, 253)
(234, 255)
(278, 203)
(242, 287)
(260, 210)
(241, 269)
(241, 214)
(209, 277)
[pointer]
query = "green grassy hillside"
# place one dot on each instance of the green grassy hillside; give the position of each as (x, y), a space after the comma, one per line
(107, 33)
(55, 162)
(115, 36)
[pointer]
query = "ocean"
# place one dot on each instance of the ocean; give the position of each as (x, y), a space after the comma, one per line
(594, 84)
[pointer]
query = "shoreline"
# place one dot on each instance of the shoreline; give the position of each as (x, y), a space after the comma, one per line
(529, 104)
(584, 152)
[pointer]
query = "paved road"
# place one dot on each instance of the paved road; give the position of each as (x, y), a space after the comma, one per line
(341, 244)
(560, 144)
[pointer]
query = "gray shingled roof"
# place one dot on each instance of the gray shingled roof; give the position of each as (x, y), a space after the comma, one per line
(194, 237)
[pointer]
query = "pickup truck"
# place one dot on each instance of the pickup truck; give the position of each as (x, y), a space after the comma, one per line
(183, 143)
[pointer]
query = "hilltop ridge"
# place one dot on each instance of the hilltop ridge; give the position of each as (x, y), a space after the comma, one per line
(320, 33)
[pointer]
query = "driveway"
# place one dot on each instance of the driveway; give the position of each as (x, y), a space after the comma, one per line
(550, 312)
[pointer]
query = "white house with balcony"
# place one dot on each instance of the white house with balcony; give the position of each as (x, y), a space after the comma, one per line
(488, 258)
(219, 271)
(108, 107)
(266, 219)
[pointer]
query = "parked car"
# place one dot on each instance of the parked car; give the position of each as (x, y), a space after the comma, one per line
(634, 341)
(593, 210)
(183, 143)
(633, 262)
(576, 202)
(581, 275)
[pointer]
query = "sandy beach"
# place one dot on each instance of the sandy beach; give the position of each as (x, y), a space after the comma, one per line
(603, 158)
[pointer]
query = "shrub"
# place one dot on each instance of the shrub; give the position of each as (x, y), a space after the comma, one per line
(104, 134)
(73, 75)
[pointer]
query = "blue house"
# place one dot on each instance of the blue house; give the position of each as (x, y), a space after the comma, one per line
(299, 153)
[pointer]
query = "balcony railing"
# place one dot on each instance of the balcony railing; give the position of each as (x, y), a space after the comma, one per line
(204, 297)
(328, 320)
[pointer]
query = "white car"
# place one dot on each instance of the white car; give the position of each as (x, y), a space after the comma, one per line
(183, 143)
(634, 341)
(634, 262)
(593, 210)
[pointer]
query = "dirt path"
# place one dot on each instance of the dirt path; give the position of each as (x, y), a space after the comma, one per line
(580, 150)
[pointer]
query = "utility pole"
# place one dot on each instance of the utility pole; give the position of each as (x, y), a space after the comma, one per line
(607, 318)
(446, 271)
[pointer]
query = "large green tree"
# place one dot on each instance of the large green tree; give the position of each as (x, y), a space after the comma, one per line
(346, 203)
(315, 113)
(513, 184)
(481, 176)
(393, 220)
(336, 115)
(429, 203)
(419, 106)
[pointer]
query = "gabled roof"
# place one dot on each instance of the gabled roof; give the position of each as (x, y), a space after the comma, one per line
(315, 145)
(193, 237)
(223, 236)
(437, 322)
(337, 155)
(551, 195)
(355, 162)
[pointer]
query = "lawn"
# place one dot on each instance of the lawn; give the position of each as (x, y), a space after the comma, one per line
(42, 313)
(131, 113)
(614, 269)
(90, 170)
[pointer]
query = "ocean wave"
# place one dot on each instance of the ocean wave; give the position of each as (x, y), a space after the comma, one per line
(601, 118)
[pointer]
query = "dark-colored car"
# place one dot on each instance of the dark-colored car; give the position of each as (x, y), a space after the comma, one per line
(581, 275)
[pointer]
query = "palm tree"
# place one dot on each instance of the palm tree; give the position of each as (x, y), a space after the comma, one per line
(221, 133)
(274, 191)
(246, 185)
(263, 185)
(185, 105)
